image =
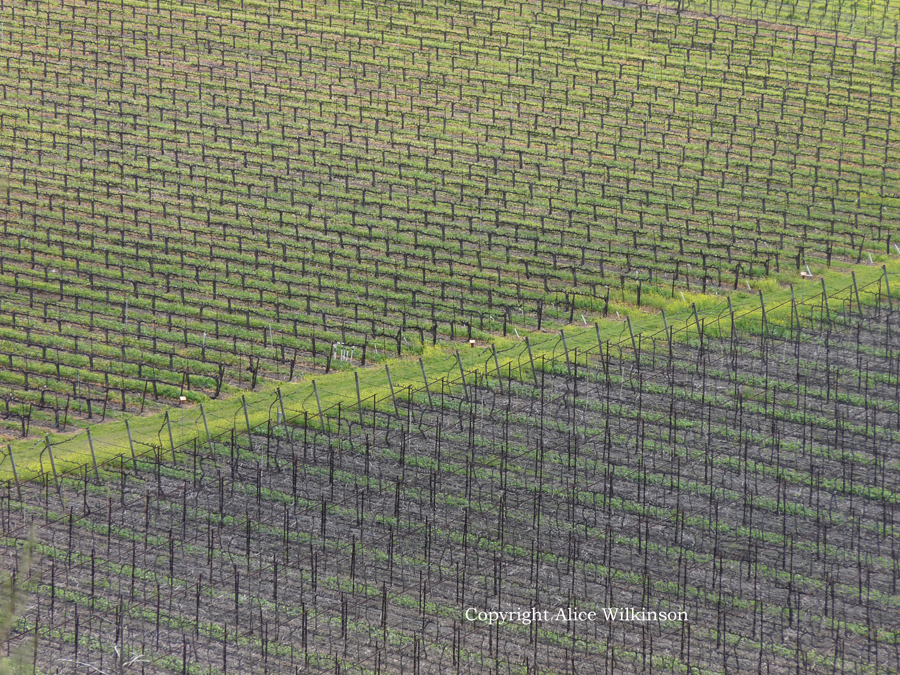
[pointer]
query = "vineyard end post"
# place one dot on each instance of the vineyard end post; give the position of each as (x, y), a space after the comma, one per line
(246, 414)
(391, 385)
(887, 287)
(425, 378)
(15, 473)
(497, 366)
(856, 292)
(566, 348)
(94, 455)
(171, 438)
(52, 462)
(794, 312)
(697, 319)
(206, 429)
(281, 405)
(131, 442)
(531, 357)
(762, 305)
(319, 405)
(462, 374)
(731, 312)
(359, 398)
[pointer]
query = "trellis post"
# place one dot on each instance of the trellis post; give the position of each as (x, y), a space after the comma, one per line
(856, 292)
(359, 398)
(497, 366)
(12, 461)
(131, 441)
(631, 333)
(169, 427)
(425, 378)
(794, 312)
(52, 462)
(206, 429)
(281, 405)
(93, 454)
(462, 374)
(391, 385)
(825, 300)
(731, 313)
(246, 414)
(762, 306)
(566, 350)
(887, 287)
(531, 358)
(319, 405)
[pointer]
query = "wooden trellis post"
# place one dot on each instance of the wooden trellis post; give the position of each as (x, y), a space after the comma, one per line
(425, 378)
(793, 309)
(246, 415)
(206, 428)
(566, 350)
(131, 441)
(52, 462)
(281, 406)
(359, 398)
(94, 455)
(391, 385)
(12, 461)
(462, 374)
(496, 365)
(887, 287)
(631, 333)
(171, 438)
(731, 313)
(856, 292)
(319, 405)
(531, 358)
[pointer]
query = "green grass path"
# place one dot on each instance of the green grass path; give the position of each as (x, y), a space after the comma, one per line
(186, 424)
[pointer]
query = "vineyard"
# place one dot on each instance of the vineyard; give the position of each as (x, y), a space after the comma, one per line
(202, 198)
(622, 273)
(746, 477)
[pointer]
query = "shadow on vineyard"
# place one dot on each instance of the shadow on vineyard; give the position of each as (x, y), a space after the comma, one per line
(749, 480)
